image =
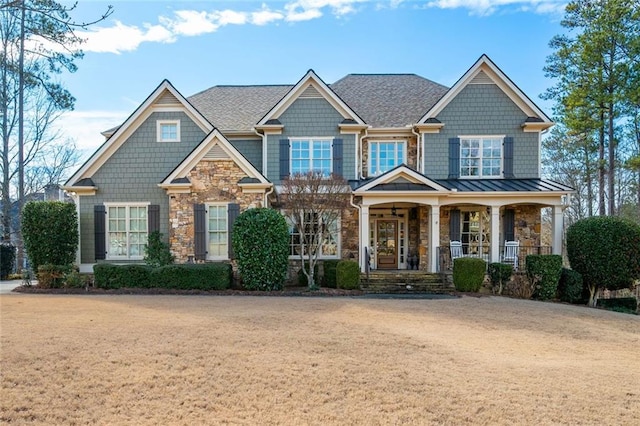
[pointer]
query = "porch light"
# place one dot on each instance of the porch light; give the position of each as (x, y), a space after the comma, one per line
(394, 211)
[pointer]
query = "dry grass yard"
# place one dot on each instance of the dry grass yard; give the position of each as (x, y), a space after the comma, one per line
(189, 360)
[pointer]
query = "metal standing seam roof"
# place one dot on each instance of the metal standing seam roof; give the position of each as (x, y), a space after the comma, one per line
(503, 185)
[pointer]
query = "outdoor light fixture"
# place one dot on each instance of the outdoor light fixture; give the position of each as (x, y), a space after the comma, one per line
(393, 211)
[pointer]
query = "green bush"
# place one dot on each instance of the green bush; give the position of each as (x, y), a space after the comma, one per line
(348, 275)
(543, 270)
(302, 278)
(200, 276)
(605, 250)
(621, 304)
(156, 251)
(468, 273)
(570, 287)
(7, 260)
(108, 276)
(261, 246)
(50, 232)
(329, 278)
(499, 273)
(52, 276)
(73, 279)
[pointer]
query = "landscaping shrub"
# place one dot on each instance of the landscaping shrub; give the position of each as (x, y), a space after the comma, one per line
(468, 273)
(156, 251)
(52, 276)
(605, 250)
(7, 260)
(520, 287)
(543, 271)
(50, 232)
(570, 287)
(499, 273)
(348, 275)
(302, 278)
(621, 304)
(73, 279)
(200, 276)
(107, 276)
(261, 246)
(329, 278)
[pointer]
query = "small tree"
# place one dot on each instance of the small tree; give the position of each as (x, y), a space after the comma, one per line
(314, 203)
(605, 251)
(261, 245)
(156, 251)
(50, 230)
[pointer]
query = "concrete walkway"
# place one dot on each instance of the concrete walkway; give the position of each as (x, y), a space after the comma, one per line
(7, 286)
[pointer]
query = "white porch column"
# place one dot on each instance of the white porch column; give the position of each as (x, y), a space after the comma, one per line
(364, 236)
(434, 238)
(558, 225)
(495, 234)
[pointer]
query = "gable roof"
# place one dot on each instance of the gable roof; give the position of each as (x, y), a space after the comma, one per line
(217, 142)
(164, 96)
(319, 89)
(389, 100)
(401, 178)
(486, 71)
(237, 107)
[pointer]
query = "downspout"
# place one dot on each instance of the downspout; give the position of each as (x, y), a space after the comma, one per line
(357, 207)
(265, 201)
(266, 195)
(360, 153)
(418, 149)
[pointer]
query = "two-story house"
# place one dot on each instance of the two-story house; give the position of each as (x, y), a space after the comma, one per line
(427, 165)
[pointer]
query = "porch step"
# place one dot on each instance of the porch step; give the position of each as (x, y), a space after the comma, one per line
(403, 282)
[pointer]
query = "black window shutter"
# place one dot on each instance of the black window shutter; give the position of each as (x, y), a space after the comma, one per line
(200, 231)
(337, 157)
(284, 158)
(454, 225)
(508, 158)
(153, 218)
(454, 158)
(233, 210)
(99, 224)
(509, 224)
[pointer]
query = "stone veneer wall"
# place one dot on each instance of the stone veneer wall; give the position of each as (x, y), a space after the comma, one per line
(212, 182)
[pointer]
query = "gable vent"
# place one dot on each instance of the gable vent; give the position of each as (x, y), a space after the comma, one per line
(310, 92)
(167, 99)
(216, 153)
(482, 78)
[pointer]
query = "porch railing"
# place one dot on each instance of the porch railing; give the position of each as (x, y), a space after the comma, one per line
(446, 264)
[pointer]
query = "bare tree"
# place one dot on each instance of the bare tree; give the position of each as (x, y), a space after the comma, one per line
(314, 203)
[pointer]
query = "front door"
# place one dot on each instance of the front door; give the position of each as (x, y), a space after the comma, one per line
(387, 244)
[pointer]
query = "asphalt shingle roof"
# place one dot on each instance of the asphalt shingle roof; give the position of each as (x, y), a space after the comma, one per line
(237, 107)
(382, 100)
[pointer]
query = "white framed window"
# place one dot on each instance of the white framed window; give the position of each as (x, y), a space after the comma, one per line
(127, 230)
(385, 155)
(168, 130)
(330, 243)
(217, 232)
(311, 154)
(475, 232)
(481, 156)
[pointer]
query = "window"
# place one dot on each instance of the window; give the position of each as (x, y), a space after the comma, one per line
(329, 247)
(311, 155)
(384, 156)
(168, 130)
(475, 233)
(480, 156)
(218, 232)
(126, 231)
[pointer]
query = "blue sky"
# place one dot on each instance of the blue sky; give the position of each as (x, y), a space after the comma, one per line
(199, 44)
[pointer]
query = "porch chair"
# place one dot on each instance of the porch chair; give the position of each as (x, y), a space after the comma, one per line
(456, 250)
(511, 252)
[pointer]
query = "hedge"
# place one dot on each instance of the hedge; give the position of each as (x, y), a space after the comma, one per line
(348, 275)
(499, 273)
(329, 278)
(7, 260)
(204, 276)
(468, 273)
(544, 270)
(571, 287)
(620, 304)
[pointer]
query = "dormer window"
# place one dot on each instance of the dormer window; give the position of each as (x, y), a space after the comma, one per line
(168, 130)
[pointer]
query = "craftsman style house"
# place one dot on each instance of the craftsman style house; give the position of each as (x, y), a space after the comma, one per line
(427, 165)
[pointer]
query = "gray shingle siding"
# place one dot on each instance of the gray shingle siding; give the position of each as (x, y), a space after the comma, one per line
(251, 149)
(310, 117)
(133, 172)
(482, 109)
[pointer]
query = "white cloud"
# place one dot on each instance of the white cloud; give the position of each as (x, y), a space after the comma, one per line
(190, 23)
(227, 17)
(487, 7)
(123, 38)
(84, 127)
(265, 16)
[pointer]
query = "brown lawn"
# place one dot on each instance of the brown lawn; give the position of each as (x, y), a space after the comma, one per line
(288, 360)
